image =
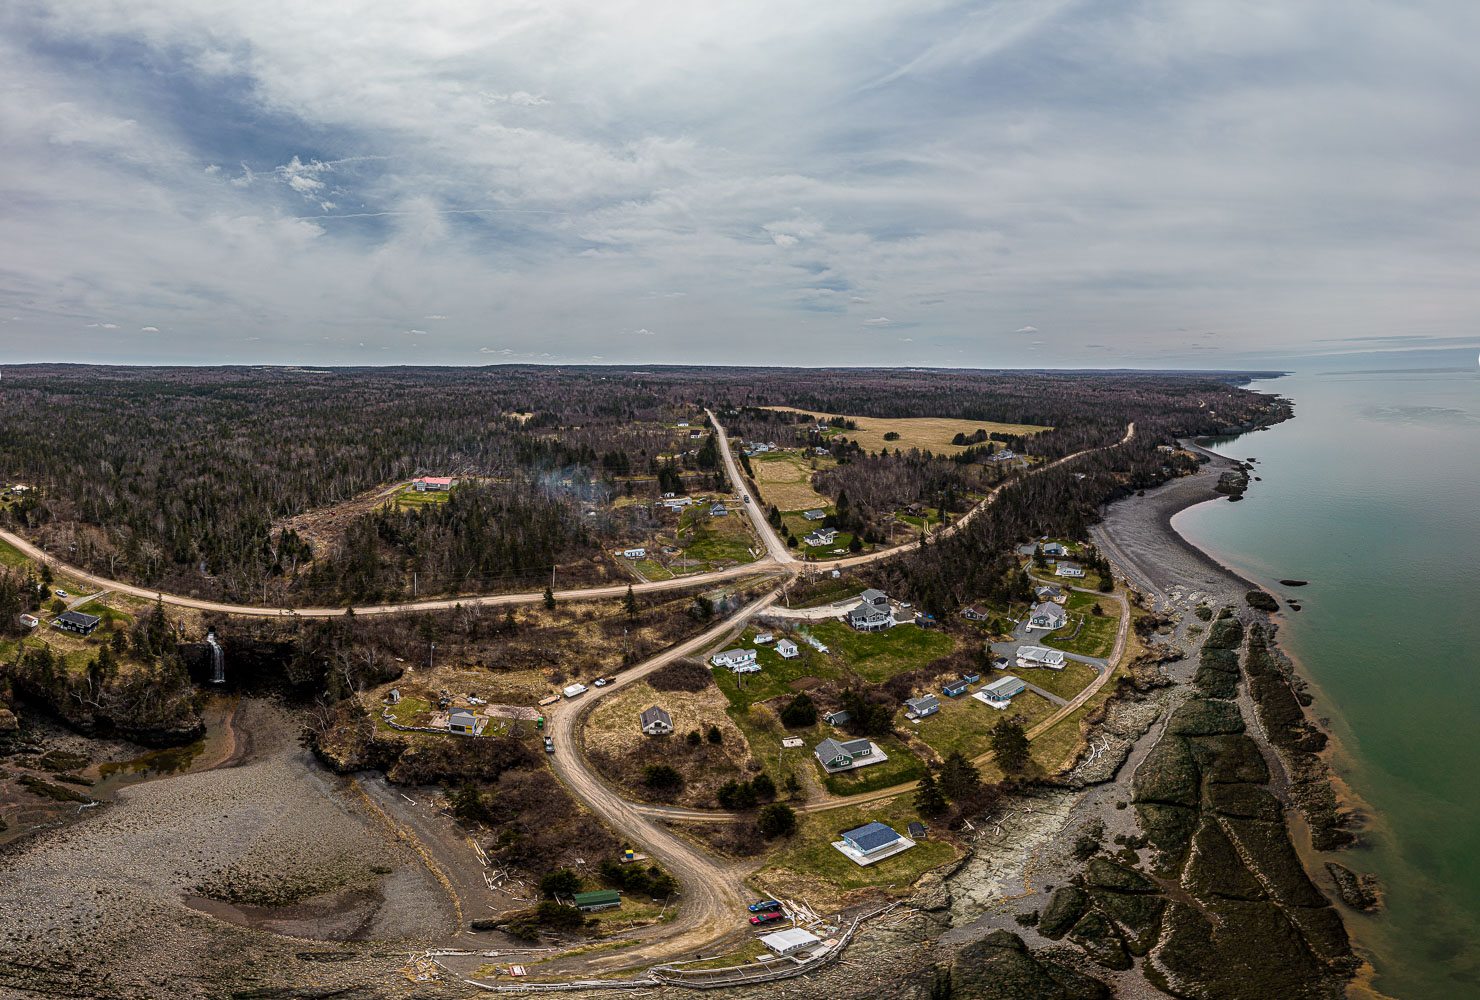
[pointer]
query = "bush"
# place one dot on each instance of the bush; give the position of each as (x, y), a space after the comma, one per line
(558, 915)
(662, 777)
(799, 713)
(764, 787)
(684, 674)
(714, 735)
(776, 820)
(694, 739)
(560, 883)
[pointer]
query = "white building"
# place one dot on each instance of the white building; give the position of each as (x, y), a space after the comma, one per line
(740, 661)
(787, 649)
(1031, 657)
(791, 941)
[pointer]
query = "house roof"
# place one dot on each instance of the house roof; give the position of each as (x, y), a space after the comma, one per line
(831, 748)
(871, 836)
(1041, 653)
(438, 480)
(78, 618)
(1004, 686)
(917, 829)
(837, 717)
(956, 685)
(732, 654)
(656, 714)
(873, 596)
(467, 718)
(785, 642)
(791, 939)
(928, 701)
(600, 897)
(1049, 609)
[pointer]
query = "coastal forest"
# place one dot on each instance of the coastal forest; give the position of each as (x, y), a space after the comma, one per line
(187, 479)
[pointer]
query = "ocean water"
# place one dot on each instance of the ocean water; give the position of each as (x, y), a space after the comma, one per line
(1372, 494)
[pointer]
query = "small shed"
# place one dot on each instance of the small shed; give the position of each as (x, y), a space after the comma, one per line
(394, 698)
(918, 708)
(836, 718)
(917, 829)
(603, 899)
(791, 941)
(956, 687)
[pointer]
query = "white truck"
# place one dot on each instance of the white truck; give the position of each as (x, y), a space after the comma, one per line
(574, 690)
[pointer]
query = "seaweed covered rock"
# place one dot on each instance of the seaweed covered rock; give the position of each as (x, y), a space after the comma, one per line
(1357, 891)
(1252, 953)
(1168, 774)
(1273, 860)
(1168, 828)
(1205, 717)
(1100, 942)
(1260, 601)
(1102, 873)
(1233, 757)
(1215, 869)
(1065, 907)
(1001, 967)
(1245, 801)
(1225, 633)
(1137, 914)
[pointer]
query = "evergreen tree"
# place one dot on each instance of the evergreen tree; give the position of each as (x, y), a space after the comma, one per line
(629, 603)
(776, 820)
(549, 599)
(1009, 746)
(958, 776)
(928, 799)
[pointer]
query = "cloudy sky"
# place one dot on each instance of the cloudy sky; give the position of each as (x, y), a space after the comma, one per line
(1039, 183)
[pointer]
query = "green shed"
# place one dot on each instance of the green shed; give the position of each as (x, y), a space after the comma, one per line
(602, 900)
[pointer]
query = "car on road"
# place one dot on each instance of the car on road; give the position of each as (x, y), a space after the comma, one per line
(766, 906)
(600, 682)
(62, 593)
(549, 745)
(747, 498)
(767, 918)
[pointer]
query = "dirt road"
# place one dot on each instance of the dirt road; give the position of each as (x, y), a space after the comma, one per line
(775, 547)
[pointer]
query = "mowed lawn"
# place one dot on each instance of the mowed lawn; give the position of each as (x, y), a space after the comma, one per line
(1095, 635)
(1066, 683)
(878, 656)
(806, 865)
(932, 433)
(965, 724)
(785, 481)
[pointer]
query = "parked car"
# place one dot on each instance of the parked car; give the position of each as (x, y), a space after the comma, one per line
(549, 745)
(600, 682)
(62, 593)
(766, 906)
(767, 918)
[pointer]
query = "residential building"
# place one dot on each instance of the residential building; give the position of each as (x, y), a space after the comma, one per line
(761, 638)
(955, 689)
(1031, 657)
(814, 515)
(740, 661)
(1068, 569)
(976, 613)
(1049, 592)
(76, 621)
(918, 829)
(836, 718)
(30, 621)
(1055, 549)
(1005, 455)
(871, 838)
(604, 899)
(433, 484)
(717, 510)
(637, 553)
(467, 723)
(839, 755)
(787, 650)
(821, 537)
(1047, 617)
(1004, 688)
(872, 613)
(791, 941)
(918, 708)
(656, 722)
(695, 434)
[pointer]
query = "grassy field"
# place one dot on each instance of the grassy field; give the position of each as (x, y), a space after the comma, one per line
(933, 433)
(806, 866)
(785, 482)
(653, 570)
(1066, 683)
(1096, 635)
(776, 673)
(107, 613)
(411, 498)
(11, 556)
(963, 723)
(877, 656)
(715, 539)
(901, 766)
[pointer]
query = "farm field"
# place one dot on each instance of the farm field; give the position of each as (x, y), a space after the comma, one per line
(933, 433)
(785, 481)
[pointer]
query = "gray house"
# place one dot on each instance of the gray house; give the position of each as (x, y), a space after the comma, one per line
(918, 708)
(76, 621)
(656, 722)
(814, 515)
(872, 613)
(717, 510)
(836, 755)
(467, 723)
(1048, 616)
(1004, 688)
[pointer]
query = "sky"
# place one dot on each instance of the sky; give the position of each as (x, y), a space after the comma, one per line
(1004, 183)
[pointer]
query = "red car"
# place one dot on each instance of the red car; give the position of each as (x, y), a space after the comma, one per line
(766, 918)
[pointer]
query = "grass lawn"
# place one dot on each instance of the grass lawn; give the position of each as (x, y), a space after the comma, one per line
(776, 672)
(106, 613)
(747, 953)
(405, 711)
(830, 591)
(11, 556)
(901, 766)
(412, 498)
(964, 724)
(1066, 683)
(1096, 635)
(712, 539)
(806, 866)
(653, 570)
(877, 656)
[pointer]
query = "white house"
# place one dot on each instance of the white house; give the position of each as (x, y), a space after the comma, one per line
(761, 638)
(1047, 617)
(1068, 569)
(822, 536)
(637, 553)
(1031, 657)
(656, 722)
(787, 649)
(30, 621)
(740, 661)
(814, 515)
(467, 723)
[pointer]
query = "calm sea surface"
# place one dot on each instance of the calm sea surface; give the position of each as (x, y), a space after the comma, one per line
(1372, 493)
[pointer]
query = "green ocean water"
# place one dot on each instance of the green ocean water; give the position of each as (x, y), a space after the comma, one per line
(1372, 493)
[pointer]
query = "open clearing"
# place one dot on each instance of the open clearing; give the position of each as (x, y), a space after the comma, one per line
(934, 433)
(785, 482)
(878, 656)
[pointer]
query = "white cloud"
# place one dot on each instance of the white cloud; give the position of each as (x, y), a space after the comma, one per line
(878, 321)
(148, 329)
(906, 340)
(1026, 329)
(645, 332)
(416, 333)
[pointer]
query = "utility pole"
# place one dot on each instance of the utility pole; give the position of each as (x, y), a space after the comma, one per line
(431, 652)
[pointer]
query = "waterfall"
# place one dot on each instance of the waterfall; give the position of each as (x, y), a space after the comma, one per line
(218, 659)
